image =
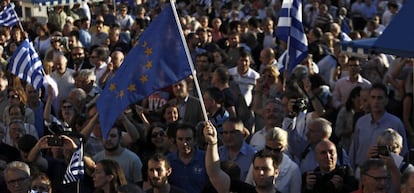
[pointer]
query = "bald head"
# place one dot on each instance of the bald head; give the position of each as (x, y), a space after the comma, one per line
(267, 56)
(326, 155)
(117, 57)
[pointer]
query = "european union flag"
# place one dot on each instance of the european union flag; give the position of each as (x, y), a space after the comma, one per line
(159, 60)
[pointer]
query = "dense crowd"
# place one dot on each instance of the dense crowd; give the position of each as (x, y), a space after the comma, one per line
(336, 123)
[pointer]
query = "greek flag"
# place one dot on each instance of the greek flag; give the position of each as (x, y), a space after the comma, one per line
(26, 64)
(75, 170)
(8, 16)
(290, 27)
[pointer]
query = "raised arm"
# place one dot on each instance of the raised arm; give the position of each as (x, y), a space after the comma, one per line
(218, 178)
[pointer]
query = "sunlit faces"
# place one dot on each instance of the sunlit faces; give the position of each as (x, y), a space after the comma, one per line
(170, 114)
(158, 137)
(375, 180)
(158, 173)
(377, 100)
(100, 179)
(326, 156)
(180, 89)
(232, 134)
(113, 140)
(17, 181)
(184, 140)
(273, 114)
(243, 65)
(264, 172)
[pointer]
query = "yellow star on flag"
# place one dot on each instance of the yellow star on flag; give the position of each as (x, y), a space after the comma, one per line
(149, 64)
(144, 44)
(144, 78)
(112, 87)
(131, 87)
(148, 51)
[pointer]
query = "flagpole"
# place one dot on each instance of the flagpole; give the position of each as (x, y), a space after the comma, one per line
(190, 61)
(287, 56)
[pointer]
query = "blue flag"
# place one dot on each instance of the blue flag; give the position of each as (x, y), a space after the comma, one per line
(76, 168)
(8, 16)
(157, 61)
(290, 26)
(26, 64)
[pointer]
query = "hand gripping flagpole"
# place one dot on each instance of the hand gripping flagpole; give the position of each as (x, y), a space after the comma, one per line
(190, 61)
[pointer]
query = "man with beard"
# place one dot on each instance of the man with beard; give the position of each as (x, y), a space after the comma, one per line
(265, 168)
(188, 164)
(129, 161)
(159, 169)
(78, 61)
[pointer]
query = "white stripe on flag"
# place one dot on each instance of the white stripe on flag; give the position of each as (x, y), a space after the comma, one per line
(75, 169)
(26, 64)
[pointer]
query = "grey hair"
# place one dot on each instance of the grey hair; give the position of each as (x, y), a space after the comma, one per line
(17, 166)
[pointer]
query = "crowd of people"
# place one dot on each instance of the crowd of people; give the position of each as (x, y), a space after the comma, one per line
(336, 123)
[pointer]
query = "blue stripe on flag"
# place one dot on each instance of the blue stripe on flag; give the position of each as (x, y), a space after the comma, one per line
(75, 169)
(8, 16)
(26, 64)
(290, 27)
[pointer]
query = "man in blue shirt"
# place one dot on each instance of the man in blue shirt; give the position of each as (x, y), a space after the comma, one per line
(188, 163)
(235, 148)
(369, 126)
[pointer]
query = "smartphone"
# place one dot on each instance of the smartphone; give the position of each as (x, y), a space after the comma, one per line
(383, 150)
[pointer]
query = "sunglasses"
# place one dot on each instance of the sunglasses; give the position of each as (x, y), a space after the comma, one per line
(15, 96)
(156, 134)
(67, 106)
(276, 150)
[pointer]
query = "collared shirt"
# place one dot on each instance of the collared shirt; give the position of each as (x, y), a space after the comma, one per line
(289, 179)
(343, 88)
(191, 177)
(258, 140)
(182, 106)
(243, 159)
(366, 134)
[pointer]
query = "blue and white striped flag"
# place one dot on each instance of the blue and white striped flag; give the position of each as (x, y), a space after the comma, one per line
(26, 64)
(8, 16)
(290, 26)
(75, 170)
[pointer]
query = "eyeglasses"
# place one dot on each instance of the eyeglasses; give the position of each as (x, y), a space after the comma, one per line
(40, 188)
(15, 96)
(67, 106)
(17, 181)
(229, 132)
(276, 150)
(156, 134)
(378, 178)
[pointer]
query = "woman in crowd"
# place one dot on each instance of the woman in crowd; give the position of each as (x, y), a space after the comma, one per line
(108, 176)
(40, 183)
(347, 117)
